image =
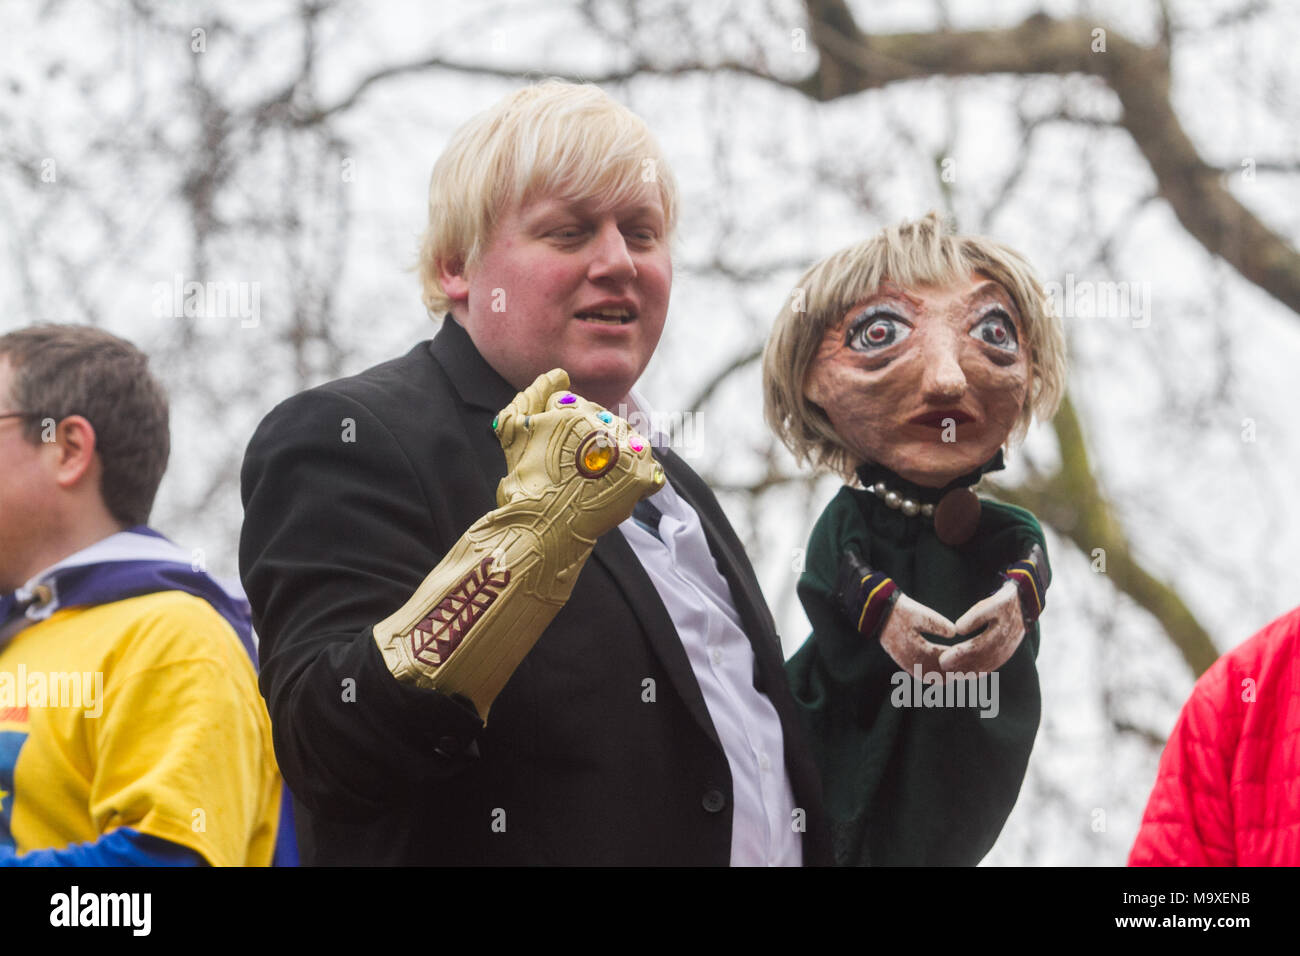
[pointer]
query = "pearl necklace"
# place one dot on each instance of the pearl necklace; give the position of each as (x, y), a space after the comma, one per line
(956, 516)
(894, 500)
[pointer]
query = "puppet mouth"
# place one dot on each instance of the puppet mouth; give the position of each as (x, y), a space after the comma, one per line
(942, 418)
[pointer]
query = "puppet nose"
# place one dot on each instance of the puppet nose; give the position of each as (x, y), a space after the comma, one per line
(944, 379)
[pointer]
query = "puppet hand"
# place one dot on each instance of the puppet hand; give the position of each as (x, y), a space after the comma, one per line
(903, 638)
(570, 459)
(990, 650)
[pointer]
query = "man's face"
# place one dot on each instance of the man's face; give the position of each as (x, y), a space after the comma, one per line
(27, 489)
(927, 381)
(571, 285)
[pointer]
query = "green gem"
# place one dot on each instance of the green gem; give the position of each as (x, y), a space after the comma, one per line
(494, 423)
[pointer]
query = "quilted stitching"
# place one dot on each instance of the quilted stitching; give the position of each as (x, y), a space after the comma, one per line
(1228, 788)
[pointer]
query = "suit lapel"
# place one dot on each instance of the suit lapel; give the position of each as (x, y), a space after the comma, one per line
(477, 382)
(616, 556)
(482, 393)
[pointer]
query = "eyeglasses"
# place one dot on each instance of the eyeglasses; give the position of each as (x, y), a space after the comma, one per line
(27, 415)
(48, 419)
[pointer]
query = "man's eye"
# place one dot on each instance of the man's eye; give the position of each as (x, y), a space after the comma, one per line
(996, 329)
(877, 332)
(567, 232)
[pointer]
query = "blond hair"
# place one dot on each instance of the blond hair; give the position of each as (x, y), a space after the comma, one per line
(909, 254)
(556, 138)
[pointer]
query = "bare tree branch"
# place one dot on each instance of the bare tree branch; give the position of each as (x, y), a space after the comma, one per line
(1072, 503)
(852, 62)
(308, 118)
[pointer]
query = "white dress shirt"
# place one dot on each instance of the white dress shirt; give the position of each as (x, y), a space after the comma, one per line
(698, 600)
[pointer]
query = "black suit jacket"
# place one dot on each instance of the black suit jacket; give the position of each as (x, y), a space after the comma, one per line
(353, 492)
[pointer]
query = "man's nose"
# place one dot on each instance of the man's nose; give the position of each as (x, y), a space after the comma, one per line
(611, 258)
(944, 379)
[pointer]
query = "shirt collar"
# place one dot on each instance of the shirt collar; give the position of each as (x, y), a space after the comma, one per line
(138, 543)
(637, 411)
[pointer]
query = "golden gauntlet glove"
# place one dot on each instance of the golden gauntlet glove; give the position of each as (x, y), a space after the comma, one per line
(573, 472)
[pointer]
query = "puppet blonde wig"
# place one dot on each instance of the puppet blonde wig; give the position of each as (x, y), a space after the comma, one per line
(909, 254)
(567, 140)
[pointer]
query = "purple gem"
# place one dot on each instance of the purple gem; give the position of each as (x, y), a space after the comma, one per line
(568, 398)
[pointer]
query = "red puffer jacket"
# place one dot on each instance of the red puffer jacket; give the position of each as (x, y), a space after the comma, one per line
(1228, 789)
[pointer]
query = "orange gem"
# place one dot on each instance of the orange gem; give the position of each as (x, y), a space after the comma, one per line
(597, 457)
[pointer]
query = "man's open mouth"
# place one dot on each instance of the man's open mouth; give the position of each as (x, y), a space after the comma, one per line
(607, 316)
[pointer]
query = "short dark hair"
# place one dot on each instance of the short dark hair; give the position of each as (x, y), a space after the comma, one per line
(62, 370)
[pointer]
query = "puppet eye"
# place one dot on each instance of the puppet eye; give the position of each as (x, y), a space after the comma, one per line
(997, 330)
(875, 331)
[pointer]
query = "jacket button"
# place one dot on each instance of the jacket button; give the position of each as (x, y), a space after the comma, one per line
(449, 746)
(714, 801)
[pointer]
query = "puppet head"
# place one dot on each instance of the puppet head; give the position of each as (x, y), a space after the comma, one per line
(919, 350)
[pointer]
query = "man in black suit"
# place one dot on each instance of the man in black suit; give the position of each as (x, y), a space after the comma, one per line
(650, 722)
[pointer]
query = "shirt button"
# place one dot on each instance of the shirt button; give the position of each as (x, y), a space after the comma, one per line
(717, 656)
(763, 763)
(714, 801)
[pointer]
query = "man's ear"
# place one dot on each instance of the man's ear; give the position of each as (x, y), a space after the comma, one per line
(75, 444)
(452, 278)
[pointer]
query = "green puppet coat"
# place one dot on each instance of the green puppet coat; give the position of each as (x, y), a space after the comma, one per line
(906, 783)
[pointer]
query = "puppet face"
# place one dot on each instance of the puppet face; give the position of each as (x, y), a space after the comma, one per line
(927, 381)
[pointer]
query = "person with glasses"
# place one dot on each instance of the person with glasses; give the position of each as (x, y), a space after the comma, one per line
(131, 730)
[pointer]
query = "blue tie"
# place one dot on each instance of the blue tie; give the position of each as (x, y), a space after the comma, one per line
(647, 516)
